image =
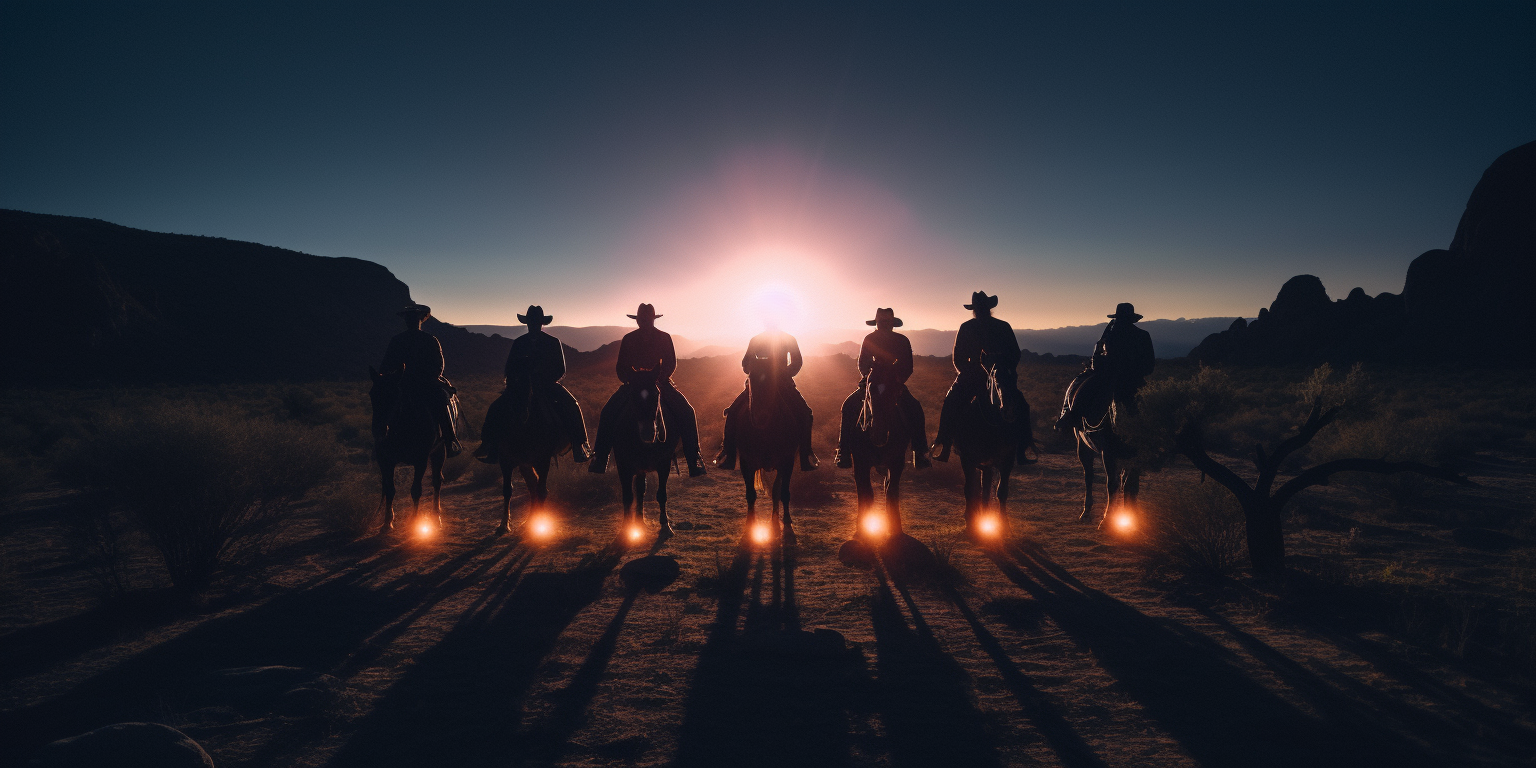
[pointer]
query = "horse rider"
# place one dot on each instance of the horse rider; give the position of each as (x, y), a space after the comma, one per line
(984, 343)
(539, 359)
(648, 349)
(885, 358)
(1128, 351)
(775, 356)
(418, 357)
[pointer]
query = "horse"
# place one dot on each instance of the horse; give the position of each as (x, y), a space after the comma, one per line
(528, 439)
(405, 431)
(883, 439)
(987, 442)
(767, 439)
(1090, 397)
(643, 444)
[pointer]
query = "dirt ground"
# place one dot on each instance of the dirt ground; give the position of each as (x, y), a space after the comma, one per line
(1057, 648)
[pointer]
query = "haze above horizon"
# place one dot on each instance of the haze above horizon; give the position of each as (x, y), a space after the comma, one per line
(807, 162)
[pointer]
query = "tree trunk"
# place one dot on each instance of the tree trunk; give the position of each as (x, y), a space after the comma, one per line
(1266, 539)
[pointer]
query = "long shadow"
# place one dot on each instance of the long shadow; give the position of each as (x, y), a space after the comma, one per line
(1070, 747)
(770, 695)
(923, 695)
(1191, 685)
(462, 701)
(316, 628)
(1489, 728)
(547, 740)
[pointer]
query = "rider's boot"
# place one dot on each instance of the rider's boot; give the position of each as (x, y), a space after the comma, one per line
(920, 457)
(727, 457)
(842, 457)
(580, 452)
(599, 463)
(695, 465)
(942, 451)
(808, 461)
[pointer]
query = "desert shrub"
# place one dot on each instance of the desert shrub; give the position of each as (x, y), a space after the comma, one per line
(101, 538)
(207, 485)
(1196, 529)
(302, 405)
(353, 505)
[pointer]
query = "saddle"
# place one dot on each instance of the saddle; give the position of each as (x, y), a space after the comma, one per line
(1088, 400)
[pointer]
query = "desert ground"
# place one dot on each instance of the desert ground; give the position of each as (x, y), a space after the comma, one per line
(1063, 645)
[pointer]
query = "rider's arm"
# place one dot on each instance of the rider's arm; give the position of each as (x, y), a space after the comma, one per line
(558, 360)
(668, 357)
(624, 367)
(1007, 356)
(795, 361)
(866, 357)
(394, 357)
(967, 354)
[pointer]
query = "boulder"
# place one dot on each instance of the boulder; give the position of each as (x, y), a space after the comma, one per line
(124, 745)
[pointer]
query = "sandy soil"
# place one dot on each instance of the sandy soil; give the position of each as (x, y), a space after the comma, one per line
(467, 649)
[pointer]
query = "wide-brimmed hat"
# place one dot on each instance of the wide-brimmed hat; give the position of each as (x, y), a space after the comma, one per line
(645, 312)
(885, 313)
(980, 300)
(535, 315)
(413, 310)
(1124, 311)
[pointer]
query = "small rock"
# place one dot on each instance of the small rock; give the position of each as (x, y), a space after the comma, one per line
(124, 745)
(652, 573)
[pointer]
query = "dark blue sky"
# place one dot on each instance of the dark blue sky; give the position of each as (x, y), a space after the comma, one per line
(728, 159)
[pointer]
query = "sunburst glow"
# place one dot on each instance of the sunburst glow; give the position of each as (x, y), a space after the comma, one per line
(989, 525)
(636, 533)
(424, 529)
(541, 526)
(761, 533)
(1124, 521)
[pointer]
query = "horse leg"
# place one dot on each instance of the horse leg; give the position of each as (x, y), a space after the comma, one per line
(1085, 456)
(865, 492)
(972, 493)
(506, 498)
(748, 475)
(531, 480)
(437, 488)
(664, 531)
(1130, 487)
(893, 494)
(421, 470)
(783, 501)
(387, 477)
(640, 498)
(1003, 474)
(1111, 485)
(627, 489)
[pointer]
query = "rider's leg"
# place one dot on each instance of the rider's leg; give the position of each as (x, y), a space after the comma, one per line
(918, 424)
(445, 421)
(570, 417)
(797, 404)
(850, 414)
(687, 427)
(727, 457)
(1022, 421)
(493, 418)
(605, 428)
(947, 415)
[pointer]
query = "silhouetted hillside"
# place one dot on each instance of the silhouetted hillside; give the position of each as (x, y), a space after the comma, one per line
(1456, 303)
(102, 302)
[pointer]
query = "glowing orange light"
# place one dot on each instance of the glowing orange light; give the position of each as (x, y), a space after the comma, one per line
(989, 525)
(761, 534)
(635, 532)
(424, 528)
(874, 524)
(542, 526)
(1124, 521)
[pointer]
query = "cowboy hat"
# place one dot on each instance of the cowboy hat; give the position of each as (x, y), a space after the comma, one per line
(416, 309)
(1124, 311)
(645, 312)
(885, 313)
(535, 315)
(980, 300)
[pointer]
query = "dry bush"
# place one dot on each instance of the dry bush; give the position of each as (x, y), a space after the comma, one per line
(102, 538)
(1196, 529)
(353, 505)
(207, 485)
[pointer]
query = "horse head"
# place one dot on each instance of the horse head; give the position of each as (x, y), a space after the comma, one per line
(764, 394)
(880, 413)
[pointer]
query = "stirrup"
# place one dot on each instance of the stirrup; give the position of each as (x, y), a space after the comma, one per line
(599, 464)
(809, 462)
(696, 467)
(580, 453)
(843, 459)
(725, 460)
(942, 452)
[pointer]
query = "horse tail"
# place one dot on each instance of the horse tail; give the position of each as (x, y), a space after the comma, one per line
(759, 482)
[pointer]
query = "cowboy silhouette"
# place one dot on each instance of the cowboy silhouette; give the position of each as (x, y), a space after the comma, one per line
(1128, 352)
(773, 355)
(539, 359)
(984, 343)
(885, 357)
(647, 349)
(418, 357)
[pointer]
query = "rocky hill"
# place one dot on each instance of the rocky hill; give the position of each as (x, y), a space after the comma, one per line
(1455, 304)
(98, 302)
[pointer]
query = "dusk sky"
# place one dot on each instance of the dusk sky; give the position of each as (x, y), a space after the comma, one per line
(725, 161)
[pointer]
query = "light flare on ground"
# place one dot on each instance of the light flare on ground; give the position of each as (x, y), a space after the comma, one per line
(1123, 520)
(636, 533)
(761, 533)
(874, 524)
(989, 525)
(424, 529)
(541, 526)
